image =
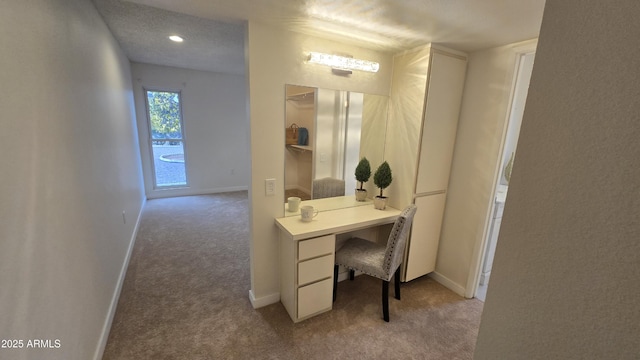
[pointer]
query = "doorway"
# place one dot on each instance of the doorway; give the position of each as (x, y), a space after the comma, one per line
(524, 67)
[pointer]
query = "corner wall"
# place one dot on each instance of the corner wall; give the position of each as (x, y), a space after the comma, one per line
(476, 159)
(275, 58)
(566, 281)
(70, 168)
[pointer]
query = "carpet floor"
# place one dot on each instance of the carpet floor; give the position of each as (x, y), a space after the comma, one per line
(186, 296)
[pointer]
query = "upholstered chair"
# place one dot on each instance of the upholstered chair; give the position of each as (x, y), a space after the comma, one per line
(327, 187)
(377, 260)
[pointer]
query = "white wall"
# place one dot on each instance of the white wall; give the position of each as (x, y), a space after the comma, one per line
(275, 58)
(375, 110)
(566, 277)
(216, 127)
(481, 128)
(70, 167)
(406, 111)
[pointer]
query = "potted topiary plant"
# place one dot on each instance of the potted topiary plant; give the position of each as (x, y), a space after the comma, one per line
(363, 173)
(382, 178)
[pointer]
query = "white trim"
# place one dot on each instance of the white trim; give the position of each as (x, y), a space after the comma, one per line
(263, 301)
(157, 194)
(106, 328)
(448, 283)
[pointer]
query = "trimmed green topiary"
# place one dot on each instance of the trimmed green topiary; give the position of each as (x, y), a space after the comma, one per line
(363, 171)
(382, 178)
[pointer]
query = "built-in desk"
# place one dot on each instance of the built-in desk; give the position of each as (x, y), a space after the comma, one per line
(307, 255)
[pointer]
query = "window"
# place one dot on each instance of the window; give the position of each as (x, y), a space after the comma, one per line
(164, 115)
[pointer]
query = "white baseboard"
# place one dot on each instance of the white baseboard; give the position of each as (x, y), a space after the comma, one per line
(448, 283)
(106, 328)
(157, 194)
(263, 301)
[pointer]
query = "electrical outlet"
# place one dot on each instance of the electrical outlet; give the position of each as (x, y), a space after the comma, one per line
(270, 187)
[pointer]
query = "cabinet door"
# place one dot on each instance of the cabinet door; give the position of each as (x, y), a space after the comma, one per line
(425, 236)
(443, 99)
(315, 298)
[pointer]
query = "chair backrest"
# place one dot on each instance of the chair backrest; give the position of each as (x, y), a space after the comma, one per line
(327, 187)
(397, 240)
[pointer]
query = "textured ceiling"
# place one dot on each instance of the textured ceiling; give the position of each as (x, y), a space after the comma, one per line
(143, 31)
(214, 29)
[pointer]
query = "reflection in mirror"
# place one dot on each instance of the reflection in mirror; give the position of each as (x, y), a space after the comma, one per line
(328, 131)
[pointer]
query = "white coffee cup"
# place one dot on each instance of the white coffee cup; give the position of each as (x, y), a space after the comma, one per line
(308, 213)
(293, 203)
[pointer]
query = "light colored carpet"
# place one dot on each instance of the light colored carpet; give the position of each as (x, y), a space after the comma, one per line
(185, 296)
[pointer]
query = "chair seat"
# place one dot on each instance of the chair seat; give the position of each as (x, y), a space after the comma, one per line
(363, 255)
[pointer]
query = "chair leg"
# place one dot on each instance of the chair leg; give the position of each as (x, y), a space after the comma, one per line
(397, 283)
(352, 274)
(335, 281)
(385, 300)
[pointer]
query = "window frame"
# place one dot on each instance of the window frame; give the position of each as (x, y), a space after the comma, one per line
(151, 139)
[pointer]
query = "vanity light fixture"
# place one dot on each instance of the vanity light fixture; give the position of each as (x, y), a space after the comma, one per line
(176, 38)
(342, 63)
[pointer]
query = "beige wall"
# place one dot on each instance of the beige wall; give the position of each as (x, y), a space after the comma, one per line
(70, 168)
(565, 280)
(481, 129)
(216, 127)
(275, 58)
(406, 110)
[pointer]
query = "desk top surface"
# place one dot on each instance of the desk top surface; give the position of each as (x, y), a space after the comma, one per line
(336, 221)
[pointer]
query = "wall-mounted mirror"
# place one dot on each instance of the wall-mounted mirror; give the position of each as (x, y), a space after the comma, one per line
(327, 133)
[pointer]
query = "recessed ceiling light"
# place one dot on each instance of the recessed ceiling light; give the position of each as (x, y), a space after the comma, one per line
(176, 38)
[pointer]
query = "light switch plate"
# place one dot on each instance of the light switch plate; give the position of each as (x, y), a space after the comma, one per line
(270, 187)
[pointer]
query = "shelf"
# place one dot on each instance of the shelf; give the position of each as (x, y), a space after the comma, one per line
(301, 94)
(301, 148)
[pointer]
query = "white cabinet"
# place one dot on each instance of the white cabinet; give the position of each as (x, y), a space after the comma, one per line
(314, 269)
(425, 107)
(315, 298)
(421, 257)
(306, 275)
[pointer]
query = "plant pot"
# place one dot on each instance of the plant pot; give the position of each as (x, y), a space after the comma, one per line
(380, 202)
(361, 194)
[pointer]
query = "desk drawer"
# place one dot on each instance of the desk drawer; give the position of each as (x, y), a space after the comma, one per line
(315, 269)
(316, 247)
(315, 298)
